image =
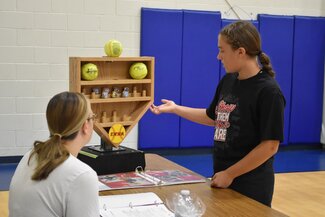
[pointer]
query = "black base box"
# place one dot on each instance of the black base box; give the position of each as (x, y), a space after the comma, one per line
(116, 161)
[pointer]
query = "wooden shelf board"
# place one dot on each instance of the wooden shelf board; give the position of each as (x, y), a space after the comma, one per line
(109, 124)
(117, 81)
(121, 99)
(113, 59)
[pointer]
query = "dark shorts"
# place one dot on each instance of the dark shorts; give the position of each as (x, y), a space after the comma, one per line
(257, 184)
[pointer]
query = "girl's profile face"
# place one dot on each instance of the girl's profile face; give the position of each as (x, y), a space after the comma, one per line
(227, 56)
(90, 120)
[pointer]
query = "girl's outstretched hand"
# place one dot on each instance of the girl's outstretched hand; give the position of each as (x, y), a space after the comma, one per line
(168, 106)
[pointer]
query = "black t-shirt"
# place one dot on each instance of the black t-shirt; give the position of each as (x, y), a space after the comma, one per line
(245, 112)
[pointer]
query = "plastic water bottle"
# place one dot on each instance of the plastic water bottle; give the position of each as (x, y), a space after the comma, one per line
(186, 204)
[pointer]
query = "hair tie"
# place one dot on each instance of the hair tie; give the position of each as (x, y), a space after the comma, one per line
(259, 53)
(57, 134)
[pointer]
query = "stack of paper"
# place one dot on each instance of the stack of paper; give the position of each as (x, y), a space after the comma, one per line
(133, 205)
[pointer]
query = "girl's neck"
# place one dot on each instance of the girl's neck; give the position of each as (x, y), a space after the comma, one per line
(249, 70)
(73, 147)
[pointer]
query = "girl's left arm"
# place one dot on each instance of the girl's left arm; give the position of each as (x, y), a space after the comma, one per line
(252, 160)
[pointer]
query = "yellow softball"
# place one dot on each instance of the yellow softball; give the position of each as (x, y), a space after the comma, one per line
(116, 133)
(113, 48)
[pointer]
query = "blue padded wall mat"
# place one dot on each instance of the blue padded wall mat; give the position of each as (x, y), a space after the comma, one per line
(225, 22)
(200, 72)
(308, 80)
(277, 42)
(296, 46)
(161, 37)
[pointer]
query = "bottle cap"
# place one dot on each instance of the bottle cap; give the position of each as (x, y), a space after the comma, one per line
(185, 192)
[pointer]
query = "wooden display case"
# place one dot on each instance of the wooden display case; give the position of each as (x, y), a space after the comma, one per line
(114, 73)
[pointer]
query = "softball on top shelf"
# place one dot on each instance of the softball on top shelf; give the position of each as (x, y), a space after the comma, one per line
(89, 72)
(113, 48)
(138, 70)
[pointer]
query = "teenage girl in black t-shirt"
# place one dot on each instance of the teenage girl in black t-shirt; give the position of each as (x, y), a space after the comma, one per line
(247, 113)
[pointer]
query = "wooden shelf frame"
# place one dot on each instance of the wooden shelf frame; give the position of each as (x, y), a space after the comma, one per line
(114, 72)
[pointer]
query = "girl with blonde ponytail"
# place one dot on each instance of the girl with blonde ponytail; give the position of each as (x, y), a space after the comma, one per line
(246, 112)
(50, 180)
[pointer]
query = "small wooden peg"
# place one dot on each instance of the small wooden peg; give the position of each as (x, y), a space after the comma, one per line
(126, 117)
(134, 91)
(93, 95)
(114, 116)
(104, 117)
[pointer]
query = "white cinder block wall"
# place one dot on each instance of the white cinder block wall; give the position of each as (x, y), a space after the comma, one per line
(38, 36)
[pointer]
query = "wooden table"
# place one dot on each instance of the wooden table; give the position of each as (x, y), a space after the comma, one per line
(300, 193)
(219, 202)
(4, 197)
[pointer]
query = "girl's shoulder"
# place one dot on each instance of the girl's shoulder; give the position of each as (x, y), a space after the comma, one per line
(77, 165)
(271, 89)
(269, 83)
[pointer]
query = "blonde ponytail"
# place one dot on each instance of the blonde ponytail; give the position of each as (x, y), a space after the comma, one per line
(50, 154)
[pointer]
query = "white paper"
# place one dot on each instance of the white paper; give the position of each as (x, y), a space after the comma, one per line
(129, 200)
(139, 211)
(133, 205)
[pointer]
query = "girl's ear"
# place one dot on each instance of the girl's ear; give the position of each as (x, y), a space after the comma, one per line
(241, 51)
(85, 127)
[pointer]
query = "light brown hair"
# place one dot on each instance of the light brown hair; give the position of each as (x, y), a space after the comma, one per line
(244, 34)
(66, 113)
